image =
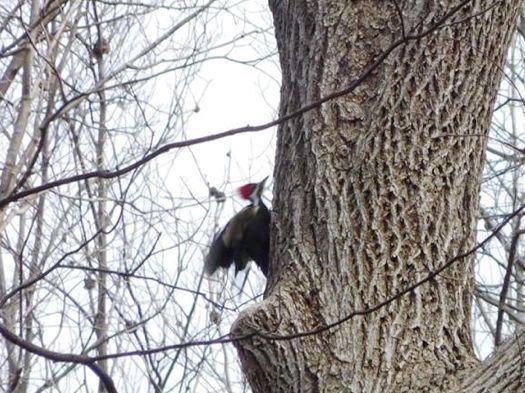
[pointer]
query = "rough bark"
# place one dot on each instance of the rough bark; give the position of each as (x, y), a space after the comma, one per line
(384, 190)
(503, 372)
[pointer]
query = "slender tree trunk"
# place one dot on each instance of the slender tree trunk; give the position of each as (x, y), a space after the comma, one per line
(13, 163)
(384, 190)
(101, 318)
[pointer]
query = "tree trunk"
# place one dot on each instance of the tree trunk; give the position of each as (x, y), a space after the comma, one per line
(375, 190)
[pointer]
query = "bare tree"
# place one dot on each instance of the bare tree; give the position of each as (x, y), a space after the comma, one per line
(373, 234)
(95, 261)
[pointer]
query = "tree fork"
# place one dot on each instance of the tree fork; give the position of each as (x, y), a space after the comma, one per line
(384, 190)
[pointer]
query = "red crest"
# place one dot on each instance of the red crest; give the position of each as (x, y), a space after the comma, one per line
(246, 190)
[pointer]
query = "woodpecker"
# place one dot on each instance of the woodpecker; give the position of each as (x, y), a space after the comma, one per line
(246, 237)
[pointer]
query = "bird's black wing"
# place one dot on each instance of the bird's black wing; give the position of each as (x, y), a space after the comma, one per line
(220, 255)
(229, 245)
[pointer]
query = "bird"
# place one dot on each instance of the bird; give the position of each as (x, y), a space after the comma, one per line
(245, 238)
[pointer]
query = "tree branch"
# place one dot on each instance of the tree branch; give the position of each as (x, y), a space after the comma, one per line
(60, 357)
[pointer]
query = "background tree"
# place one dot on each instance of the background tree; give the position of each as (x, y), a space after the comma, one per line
(499, 268)
(105, 264)
(384, 194)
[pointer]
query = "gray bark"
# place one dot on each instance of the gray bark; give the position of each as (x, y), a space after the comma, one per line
(384, 190)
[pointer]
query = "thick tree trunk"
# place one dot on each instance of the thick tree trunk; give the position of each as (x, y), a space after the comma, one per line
(374, 190)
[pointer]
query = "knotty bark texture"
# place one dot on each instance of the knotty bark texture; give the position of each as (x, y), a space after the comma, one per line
(374, 190)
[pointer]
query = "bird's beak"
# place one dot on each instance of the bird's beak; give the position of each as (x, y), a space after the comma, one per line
(263, 181)
(259, 188)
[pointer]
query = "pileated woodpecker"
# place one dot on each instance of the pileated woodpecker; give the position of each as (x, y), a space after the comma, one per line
(245, 237)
